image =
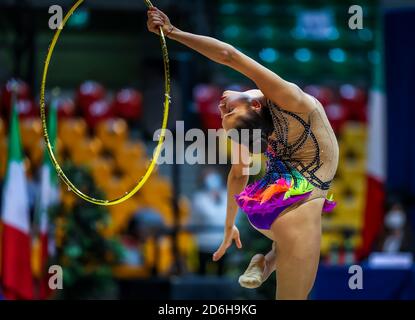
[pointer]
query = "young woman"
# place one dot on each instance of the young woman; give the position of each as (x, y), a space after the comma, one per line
(302, 153)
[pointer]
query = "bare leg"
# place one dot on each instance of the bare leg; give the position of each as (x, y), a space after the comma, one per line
(270, 262)
(259, 269)
(298, 235)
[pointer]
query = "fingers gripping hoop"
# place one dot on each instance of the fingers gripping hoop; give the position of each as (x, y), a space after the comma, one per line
(157, 151)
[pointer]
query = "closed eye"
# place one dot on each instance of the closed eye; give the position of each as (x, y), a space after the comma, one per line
(231, 110)
(230, 113)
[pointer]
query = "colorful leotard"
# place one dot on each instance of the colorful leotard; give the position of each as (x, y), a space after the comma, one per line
(302, 159)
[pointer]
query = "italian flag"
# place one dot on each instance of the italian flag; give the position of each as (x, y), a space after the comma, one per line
(48, 196)
(376, 161)
(16, 279)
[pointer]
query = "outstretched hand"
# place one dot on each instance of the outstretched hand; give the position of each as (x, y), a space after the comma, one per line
(156, 19)
(230, 235)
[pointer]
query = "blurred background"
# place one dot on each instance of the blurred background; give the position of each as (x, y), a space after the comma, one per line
(104, 100)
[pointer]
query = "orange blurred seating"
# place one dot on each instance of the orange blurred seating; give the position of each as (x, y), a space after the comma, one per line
(36, 151)
(188, 249)
(354, 133)
(86, 151)
(113, 133)
(329, 239)
(349, 211)
(131, 272)
(186, 242)
(159, 186)
(356, 183)
(116, 187)
(184, 211)
(166, 211)
(67, 197)
(130, 156)
(72, 131)
(31, 132)
(186, 245)
(165, 254)
(102, 170)
(121, 214)
(2, 129)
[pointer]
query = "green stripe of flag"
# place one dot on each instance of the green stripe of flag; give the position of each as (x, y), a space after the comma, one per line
(52, 126)
(15, 145)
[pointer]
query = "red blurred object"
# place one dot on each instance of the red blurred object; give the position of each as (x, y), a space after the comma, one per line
(207, 98)
(128, 104)
(98, 111)
(27, 108)
(355, 100)
(338, 115)
(88, 93)
(66, 107)
(22, 90)
(323, 94)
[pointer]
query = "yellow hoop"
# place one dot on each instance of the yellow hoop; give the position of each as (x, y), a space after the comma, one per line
(157, 151)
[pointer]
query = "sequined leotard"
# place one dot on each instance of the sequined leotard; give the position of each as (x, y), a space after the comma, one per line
(302, 159)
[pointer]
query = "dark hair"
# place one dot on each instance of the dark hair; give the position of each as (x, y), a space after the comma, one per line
(260, 119)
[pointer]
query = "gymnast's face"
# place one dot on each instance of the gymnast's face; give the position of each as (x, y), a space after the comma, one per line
(236, 108)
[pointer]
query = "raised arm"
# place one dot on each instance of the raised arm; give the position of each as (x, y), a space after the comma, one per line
(285, 94)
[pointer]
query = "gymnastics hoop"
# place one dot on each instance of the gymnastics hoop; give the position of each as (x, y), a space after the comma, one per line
(157, 151)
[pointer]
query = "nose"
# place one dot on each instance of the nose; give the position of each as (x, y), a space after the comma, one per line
(222, 109)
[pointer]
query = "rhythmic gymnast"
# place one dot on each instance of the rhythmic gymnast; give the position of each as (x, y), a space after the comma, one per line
(302, 158)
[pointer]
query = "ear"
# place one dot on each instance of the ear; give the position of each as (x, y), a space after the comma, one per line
(256, 105)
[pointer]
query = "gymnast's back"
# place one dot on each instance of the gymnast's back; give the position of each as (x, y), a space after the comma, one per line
(306, 142)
